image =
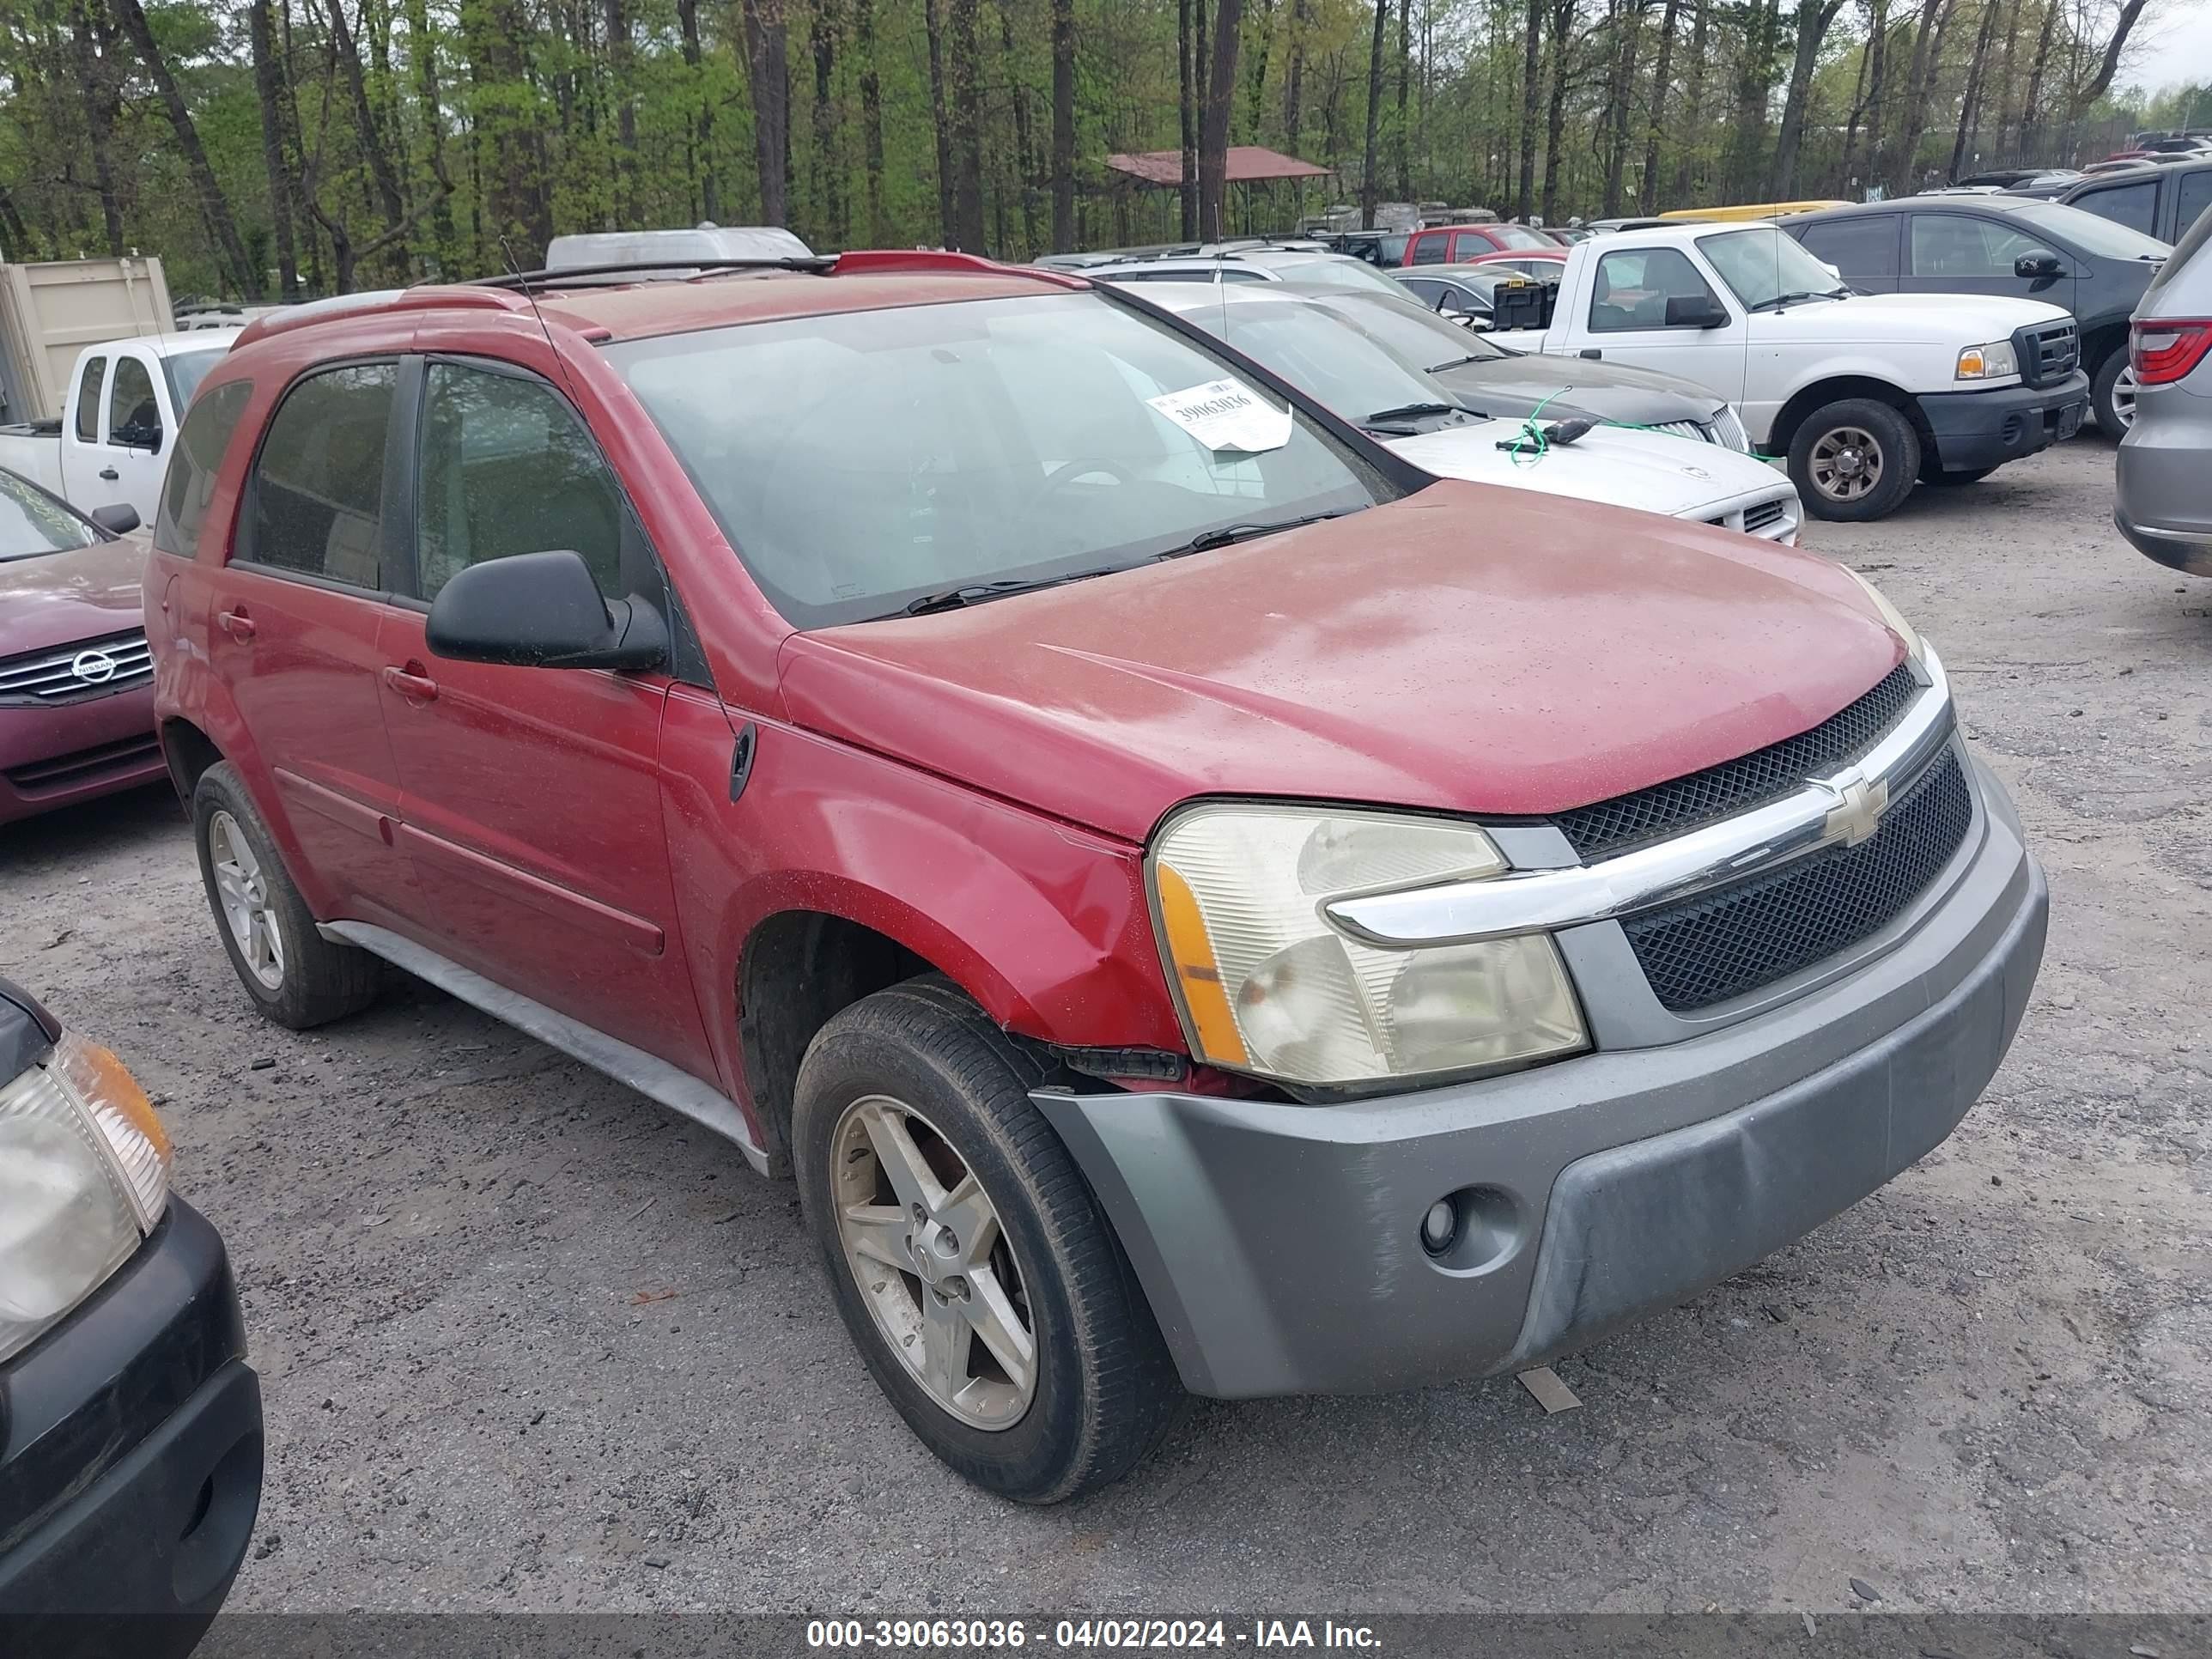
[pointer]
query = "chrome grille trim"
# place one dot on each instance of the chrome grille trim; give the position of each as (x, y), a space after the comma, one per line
(52, 676)
(1727, 430)
(1828, 812)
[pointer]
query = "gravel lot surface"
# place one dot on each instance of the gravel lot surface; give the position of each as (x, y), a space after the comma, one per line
(529, 1342)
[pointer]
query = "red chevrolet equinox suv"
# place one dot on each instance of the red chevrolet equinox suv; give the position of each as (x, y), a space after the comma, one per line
(1194, 902)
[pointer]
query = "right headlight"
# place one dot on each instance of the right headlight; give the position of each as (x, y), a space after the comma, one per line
(84, 1175)
(1266, 985)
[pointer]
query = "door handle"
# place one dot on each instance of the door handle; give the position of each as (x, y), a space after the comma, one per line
(416, 688)
(236, 624)
(110, 474)
(1592, 353)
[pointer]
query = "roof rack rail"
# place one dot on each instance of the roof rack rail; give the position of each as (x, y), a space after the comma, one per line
(424, 296)
(524, 280)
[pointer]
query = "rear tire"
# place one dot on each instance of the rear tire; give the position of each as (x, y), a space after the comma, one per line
(292, 975)
(954, 1227)
(1854, 460)
(2112, 394)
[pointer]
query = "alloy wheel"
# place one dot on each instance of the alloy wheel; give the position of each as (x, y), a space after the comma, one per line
(1846, 464)
(926, 1246)
(247, 907)
(2123, 396)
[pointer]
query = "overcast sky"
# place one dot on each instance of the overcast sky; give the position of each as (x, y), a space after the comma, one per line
(2172, 46)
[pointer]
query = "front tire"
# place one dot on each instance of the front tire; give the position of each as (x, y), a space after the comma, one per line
(1854, 460)
(292, 975)
(2112, 394)
(973, 1268)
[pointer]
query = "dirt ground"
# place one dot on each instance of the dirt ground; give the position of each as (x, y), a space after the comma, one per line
(529, 1342)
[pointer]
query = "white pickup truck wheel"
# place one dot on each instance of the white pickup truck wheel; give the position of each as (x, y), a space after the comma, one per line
(1853, 459)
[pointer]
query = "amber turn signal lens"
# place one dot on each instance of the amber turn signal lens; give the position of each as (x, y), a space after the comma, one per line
(1197, 975)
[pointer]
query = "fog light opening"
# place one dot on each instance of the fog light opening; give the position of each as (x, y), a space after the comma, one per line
(1439, 1227)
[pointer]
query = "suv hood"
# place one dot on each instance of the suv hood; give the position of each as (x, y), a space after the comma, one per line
(1514, 386)
(58, 599)
(1656, 471)
(1463, 649)
(1943, 319)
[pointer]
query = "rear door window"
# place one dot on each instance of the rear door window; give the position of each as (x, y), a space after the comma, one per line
(1955, 245)
(189, 486)
(508, 468)
(2195, 196)
(1863, 247)
(88, 401)
(318, 485)
(2134, 205)
(1429, 249)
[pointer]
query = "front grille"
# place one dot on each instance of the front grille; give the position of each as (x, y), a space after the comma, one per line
(2048, 352)
(1759, 516)
(1608, 827)
(1734, 941)
(90, 668)
(86, 765)
(1690, 430)
(1727, 430)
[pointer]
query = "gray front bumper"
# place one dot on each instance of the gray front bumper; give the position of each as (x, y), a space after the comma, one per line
(1280, 1245)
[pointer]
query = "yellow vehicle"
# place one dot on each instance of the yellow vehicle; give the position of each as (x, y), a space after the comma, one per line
(1753, 211)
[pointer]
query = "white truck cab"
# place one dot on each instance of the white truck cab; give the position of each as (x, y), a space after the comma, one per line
(1864, 394)
(125, 401)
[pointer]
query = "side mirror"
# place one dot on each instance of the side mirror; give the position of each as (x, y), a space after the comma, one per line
(118, 520)
(541, 610)
(2037, 262)
(1696, 311)
(136, 435)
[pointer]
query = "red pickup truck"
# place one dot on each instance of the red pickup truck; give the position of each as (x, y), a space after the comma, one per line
(1193, 901)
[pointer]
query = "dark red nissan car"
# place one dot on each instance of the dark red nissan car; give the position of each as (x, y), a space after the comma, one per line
(76, 686)
(1193, 901)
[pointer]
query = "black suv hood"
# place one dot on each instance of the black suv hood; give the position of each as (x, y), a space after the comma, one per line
(1514, 385)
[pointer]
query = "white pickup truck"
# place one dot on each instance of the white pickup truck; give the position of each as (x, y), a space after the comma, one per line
(1864, 393)
(126, 400)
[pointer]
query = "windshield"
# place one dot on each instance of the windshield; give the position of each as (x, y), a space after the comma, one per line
(185, 370)
(1325, 356)
(861, 460)
(1415, 333)
(1762, 265)
(33, 522)
(1337, 272)
(1517, 236)
(2093, 234)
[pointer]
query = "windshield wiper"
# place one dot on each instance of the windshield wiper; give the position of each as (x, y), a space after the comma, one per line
(952, 599)
(1797, 298)
(1409, 412)
(1460, 362)
(1229, 534)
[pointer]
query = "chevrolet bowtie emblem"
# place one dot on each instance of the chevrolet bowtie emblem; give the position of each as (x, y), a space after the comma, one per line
(1860, 803)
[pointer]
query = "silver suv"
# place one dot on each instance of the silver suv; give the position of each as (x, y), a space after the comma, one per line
(2162, 504)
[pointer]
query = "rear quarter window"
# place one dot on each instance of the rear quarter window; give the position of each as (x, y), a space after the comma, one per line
(188, 488)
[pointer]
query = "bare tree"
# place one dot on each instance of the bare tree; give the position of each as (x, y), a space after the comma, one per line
(1369, 185)
(768, 70)
(214, 206)
(268, 87)
(1813, 17)
(1656, 118)
(1693, 93)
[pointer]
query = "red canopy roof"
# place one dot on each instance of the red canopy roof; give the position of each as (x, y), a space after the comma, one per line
(1249, 164)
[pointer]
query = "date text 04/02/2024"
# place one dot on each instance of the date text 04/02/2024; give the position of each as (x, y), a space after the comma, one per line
(998, 1633)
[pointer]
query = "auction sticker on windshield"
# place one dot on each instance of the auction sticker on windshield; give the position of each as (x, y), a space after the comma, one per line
(1226, 415)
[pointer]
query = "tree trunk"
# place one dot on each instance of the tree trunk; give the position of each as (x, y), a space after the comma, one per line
(2008, 108)
(1401, 132)
(214, 206)
(1843, 172)
(2124, 26)
(1693, 93)
(388, 195)
(2030, 108)
(1532, 68)
(940, 121)
(1294, 72)
(768, 70)
(1370, 184)
(424, 46)
(268, 88)
(1969, 99)
(1927, 65)
(1813, 17)
(829, 190)
(687, 24)
(1025, 158)
(1648, 198)
(1628, 25)
(872, 119)
(1256, 85)
(100, 111)
(1555, 113)
(517, 213)
(1213, 130)
(1187, 115)
(1063, 124)
(622, 85)
(1754, 83)
(1877, 73)
(966, 89)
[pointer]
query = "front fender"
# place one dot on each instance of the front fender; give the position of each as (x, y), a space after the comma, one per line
(1046, 925)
